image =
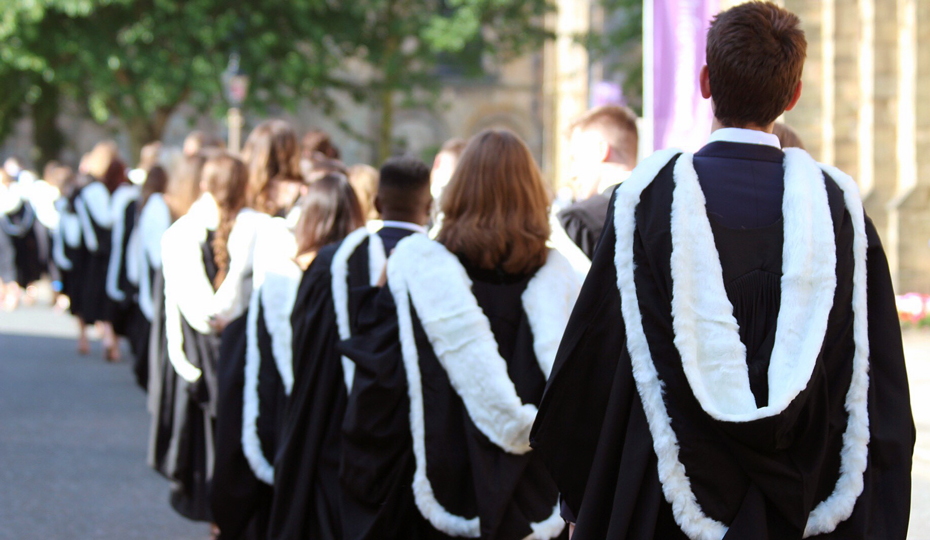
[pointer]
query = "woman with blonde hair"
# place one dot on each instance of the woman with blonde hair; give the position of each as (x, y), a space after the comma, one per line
(468, 324)
(206, 260)
(94, 208)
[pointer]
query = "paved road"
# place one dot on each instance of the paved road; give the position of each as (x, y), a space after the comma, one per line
(73, 434)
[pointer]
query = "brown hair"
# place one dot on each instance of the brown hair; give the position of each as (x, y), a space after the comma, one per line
(272, 155)
(318, 141)
(60, 176)
(156, 181)
(755, 57)
(787, 136)
(364, 180)
(226, 178)
(618, 127)
(115, 176)
(184, 185)
(329, 212)
(496, 205)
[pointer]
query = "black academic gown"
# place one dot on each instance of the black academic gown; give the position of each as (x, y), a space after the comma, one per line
(584, 220)
(592, 429)
(23, 229)
(96, 305)
(306, 489)
(72, 281)
(122, 315)
(470, 475)
(189, 457)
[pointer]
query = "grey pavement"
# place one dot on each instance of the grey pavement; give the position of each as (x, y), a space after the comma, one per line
(73, 435)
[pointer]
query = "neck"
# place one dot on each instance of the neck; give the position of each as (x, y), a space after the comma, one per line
(388, 215)
(766, 129)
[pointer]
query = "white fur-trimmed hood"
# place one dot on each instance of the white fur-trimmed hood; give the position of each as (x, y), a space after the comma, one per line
(706, 334)
(423, 273)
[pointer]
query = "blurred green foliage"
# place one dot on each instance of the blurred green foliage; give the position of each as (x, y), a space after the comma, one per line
(619, 47)
(137, 61)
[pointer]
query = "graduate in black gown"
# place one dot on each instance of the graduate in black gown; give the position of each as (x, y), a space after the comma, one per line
(451, 360)
(734, 367)
(142, 262)
(124, 208)
(182, 191)
(307, 492)
(19, 224)
(603, 146)
(206, 261)
(239, 498)
(95, 210)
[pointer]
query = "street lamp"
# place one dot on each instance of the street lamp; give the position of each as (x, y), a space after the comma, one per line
(236, 88)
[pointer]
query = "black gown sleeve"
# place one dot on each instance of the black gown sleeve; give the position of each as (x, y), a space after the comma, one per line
(572, 411)
(891, 445)
(306, 480)
(377, 451)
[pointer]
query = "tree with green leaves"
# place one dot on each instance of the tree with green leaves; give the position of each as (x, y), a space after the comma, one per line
(403, 42)
(618, 45)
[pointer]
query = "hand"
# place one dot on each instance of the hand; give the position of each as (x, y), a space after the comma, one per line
(218, 324)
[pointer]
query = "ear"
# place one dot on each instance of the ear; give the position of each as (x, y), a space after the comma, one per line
(378, 203)
(795, 98)
(603, 150)
(705, 82)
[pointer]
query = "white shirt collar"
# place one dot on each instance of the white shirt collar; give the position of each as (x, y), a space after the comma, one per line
(744, 136)
(404, 225)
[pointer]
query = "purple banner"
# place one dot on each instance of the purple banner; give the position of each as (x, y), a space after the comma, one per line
(681, 117)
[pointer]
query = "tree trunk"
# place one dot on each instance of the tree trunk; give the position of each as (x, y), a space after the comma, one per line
(386, 128)
(146, 129)
(47, 137)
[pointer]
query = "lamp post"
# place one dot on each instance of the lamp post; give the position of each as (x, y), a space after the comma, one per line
(236, 88)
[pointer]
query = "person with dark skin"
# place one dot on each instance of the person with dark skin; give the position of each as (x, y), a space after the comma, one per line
(336, 282)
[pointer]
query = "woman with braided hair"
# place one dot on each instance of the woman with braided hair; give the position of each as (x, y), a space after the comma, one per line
(206, 260)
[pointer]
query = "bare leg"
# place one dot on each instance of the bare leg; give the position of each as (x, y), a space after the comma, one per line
(83, 344)
(110, 342)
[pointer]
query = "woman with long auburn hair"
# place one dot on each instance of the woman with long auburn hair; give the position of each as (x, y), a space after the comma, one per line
(452, 359)
(206, 260)
(272, 156)
(158, 214)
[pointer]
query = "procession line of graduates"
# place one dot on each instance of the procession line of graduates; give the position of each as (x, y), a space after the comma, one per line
(717, 357)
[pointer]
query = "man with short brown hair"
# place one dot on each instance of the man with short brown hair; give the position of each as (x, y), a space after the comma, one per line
(603, 146)
(733, 367)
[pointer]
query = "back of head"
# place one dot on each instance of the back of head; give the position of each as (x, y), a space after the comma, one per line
(329, 212)
(755, 58)
(403, 189)
(616, 125)
(149, 155)
(444, 165)
(364, 180)
(318, 141)
(225, 178)
(61, 177)
(184, 184)
(98, 160)
(156, 181)
(271, 154)
(787, 136)
(115, 175)
(496, 205)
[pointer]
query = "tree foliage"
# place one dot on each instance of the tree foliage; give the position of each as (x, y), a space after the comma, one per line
(619, 47)
(136, 61)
